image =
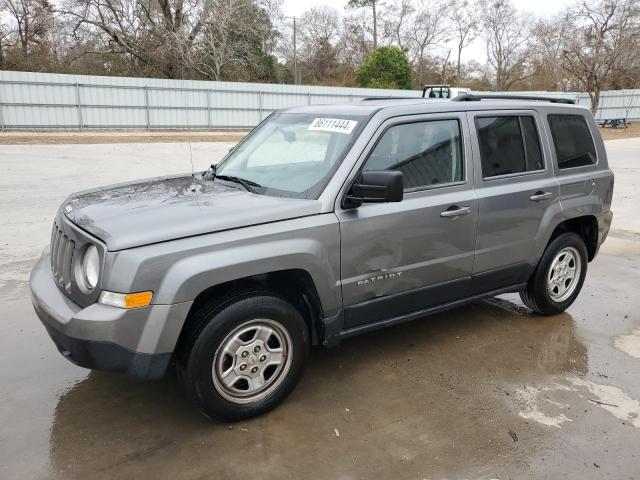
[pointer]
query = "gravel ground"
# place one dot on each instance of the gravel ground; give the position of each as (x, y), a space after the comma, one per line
(129, 136)
(632, 131)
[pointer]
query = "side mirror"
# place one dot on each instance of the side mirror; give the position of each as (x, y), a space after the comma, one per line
(376, 186)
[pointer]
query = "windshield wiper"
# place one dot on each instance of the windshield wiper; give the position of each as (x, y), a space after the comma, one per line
(247, 184)
(212, 174)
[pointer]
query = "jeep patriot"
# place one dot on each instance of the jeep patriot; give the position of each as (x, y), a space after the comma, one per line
(326, 221)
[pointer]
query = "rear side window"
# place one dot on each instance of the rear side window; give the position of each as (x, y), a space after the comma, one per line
(508, 145)
(572, 140)
(429, 154)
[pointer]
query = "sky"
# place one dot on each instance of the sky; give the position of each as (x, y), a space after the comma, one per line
(540, 8)
(476, 51)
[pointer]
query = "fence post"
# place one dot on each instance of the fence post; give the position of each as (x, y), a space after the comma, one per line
(2, 127)
(146, 106)
(259, 106)
(209, 109)
(79, 106)
(309, 98)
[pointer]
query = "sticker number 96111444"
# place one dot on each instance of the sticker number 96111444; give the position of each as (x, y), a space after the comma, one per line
(337, 125)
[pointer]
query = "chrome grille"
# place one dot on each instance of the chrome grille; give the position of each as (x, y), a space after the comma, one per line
(62, 250)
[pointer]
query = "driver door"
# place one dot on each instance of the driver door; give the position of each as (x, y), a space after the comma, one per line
(401, 258)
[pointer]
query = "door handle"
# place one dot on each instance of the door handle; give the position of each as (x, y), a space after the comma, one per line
(539, 195)
(455, 211)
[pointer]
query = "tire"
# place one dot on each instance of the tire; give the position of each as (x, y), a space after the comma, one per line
(546, 296)
(233, 339)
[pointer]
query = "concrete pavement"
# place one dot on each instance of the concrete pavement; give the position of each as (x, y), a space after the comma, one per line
(484, 391)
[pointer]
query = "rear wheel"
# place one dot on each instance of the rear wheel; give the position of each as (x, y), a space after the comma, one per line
(246, 358)
(558, 279)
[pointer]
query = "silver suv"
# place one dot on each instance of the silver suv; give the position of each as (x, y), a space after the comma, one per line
(325, 222)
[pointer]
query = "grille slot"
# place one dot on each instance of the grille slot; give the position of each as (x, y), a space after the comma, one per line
(67, 242)
(62, 250)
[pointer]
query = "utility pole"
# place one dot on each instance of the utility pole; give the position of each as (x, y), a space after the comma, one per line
(375, 25)
(295, 54)
(295, 48)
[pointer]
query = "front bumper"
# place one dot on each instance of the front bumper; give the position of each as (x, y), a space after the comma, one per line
(138, 341)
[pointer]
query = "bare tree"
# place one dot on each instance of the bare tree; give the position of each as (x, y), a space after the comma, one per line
(397, 18)
(628, 101)
(464, 19)
(25, 35)
(373, 4)
(319, 42)
(30, 22)
(155, 33)
(4, 36)
(548, 40)
(476, 75)
(604, 34)
(429, 29)
(177, 38)
(230, 38)
(506, 38)
(354, 34)
(626, 73)
(444, 71)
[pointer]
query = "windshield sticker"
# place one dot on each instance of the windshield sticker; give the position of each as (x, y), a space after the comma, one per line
(333, 125)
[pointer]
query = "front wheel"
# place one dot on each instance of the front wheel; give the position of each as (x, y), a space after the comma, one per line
(559, 276)
(247, 358)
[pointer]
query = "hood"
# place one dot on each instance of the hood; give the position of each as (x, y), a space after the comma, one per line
(156, 210)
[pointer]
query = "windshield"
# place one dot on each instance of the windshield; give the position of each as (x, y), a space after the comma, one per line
(292, 154)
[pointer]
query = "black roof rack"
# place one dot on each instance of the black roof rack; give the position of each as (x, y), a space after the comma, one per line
(470, 97)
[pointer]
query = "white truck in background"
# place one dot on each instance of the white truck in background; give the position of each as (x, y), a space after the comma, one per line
(443, 91)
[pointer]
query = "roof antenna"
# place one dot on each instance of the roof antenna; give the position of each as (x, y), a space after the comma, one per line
(193, 187)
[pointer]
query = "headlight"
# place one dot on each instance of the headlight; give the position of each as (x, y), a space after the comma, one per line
(91, 267)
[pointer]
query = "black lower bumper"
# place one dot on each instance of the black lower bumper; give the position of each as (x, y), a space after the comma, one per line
(97, 337)
(110, 357)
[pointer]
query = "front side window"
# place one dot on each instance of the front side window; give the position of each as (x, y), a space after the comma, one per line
(572, 140)
(292, 154)
(508, 145)
(428, 153)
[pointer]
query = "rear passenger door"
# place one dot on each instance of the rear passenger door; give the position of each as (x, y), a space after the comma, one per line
(516, 189)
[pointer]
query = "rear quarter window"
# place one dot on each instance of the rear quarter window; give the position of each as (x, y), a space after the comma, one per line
(572, 140)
